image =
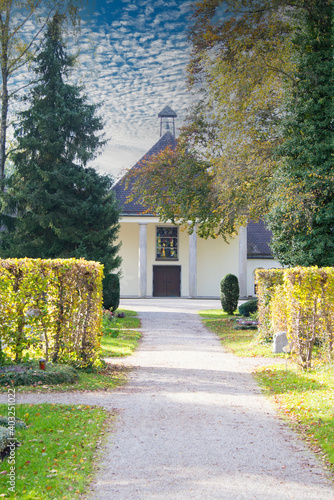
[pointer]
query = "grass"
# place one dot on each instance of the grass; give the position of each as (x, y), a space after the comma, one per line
(306, 400)
(120, 337)
(106, 379)
(129, 321)
(123, 345)
(55, 459)
(240, 342)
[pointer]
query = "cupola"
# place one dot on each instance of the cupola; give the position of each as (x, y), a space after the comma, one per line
(167, 121)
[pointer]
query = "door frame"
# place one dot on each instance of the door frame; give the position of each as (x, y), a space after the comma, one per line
(160, 266)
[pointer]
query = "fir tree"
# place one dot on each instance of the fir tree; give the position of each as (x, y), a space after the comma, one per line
(62, 208)
(302, 215)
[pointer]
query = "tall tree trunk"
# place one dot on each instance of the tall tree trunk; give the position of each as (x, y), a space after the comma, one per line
(3, 126)
(5, 17)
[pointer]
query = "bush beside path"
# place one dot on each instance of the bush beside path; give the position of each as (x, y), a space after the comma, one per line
(192, 421)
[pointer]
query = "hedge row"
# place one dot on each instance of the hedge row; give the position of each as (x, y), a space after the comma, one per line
(299, 301)
(51, 308)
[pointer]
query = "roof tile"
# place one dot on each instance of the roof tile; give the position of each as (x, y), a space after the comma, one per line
(258, 240)
(122, 193)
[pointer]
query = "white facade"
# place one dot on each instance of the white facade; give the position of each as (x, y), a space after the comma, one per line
(161, 260)
(202, 263)
(252, 265)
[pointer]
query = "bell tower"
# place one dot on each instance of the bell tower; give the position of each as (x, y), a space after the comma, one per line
(167, 123)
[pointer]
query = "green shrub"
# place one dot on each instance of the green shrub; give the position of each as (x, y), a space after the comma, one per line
(229, 293)
(6, 440)
(7, 422)
(248, 308)
(31, 374)
(111, 292)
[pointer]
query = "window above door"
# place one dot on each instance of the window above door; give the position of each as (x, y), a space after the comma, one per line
(167, 243)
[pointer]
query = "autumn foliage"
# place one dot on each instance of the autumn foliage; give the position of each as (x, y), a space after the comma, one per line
(51, 308)
(176, 186)
(299, 301)
(221, 172)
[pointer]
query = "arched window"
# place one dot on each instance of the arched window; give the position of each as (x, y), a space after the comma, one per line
(255, 293)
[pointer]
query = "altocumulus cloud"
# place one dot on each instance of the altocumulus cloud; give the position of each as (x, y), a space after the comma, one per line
(133, 57)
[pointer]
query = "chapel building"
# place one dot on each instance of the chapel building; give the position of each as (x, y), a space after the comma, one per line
(161, 260)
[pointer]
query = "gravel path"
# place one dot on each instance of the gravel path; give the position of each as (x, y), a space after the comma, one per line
(193, 424)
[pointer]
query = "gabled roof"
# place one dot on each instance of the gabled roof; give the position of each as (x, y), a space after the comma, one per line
(122, 193)
(258, 239)
(167, 112)
(258, 235)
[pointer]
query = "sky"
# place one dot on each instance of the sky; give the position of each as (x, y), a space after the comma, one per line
(133, 57)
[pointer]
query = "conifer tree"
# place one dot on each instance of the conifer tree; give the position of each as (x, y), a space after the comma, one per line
(56, 206)
(302, 215)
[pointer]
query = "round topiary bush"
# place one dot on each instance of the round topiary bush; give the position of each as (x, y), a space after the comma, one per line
(229, 293)
(248, 307)
(31, 374)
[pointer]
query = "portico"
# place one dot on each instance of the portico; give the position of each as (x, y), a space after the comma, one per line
(149, 266)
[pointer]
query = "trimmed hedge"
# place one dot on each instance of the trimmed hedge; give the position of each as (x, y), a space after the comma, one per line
(299, 301)
(51, 308)
(267, 286)
(229, 293)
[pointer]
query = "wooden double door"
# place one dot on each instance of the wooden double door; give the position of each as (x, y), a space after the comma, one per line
(166, 281)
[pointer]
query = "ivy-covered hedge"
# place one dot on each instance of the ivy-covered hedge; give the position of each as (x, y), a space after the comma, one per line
(51, 308)
(299, 301)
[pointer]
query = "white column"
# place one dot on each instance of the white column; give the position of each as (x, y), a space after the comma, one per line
(142, 260)
(193, 264)
(243, 261)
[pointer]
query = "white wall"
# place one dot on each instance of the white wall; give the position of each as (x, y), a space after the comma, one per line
(215, 259)
(129, 236)
(252, 265)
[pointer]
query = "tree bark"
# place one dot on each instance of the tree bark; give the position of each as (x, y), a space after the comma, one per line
(3, 126)
(4, 95)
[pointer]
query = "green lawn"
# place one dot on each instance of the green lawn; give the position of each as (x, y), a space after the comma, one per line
(123, 345)
(129, 321)
(306, 400)
(57, 451)
(240, 342)
(120, 335)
